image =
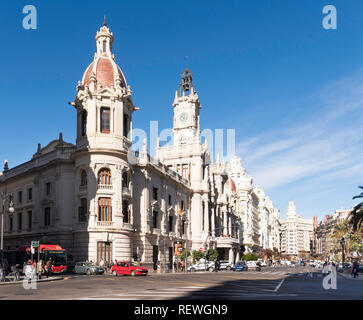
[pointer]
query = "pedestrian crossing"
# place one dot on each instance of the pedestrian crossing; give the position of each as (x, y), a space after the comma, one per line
(195, 293)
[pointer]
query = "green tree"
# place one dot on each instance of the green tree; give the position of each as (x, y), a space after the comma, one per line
(182, 257)
(249, 257)
(212, 254)
(356, 216)
(197, 255)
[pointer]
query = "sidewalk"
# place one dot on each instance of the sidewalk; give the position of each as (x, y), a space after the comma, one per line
(40, 280)
(349, 276)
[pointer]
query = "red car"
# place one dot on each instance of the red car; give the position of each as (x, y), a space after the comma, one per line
(130, 268)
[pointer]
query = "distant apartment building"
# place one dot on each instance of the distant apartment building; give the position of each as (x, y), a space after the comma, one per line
(323, 232)
(296, 233)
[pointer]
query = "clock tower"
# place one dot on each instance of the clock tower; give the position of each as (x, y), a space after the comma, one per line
(186, 105)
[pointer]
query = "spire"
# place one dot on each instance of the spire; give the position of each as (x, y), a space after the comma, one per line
(6, 166)
(104, 21)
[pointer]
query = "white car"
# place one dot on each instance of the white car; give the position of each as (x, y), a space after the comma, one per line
(251, 264)
(202, 266)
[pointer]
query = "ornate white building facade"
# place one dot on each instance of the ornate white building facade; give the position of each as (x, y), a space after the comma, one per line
(101, 200)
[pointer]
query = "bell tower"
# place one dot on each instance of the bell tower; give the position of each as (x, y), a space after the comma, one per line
(186, 126)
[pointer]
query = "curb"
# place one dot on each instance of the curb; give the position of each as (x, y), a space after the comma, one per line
(21, 281)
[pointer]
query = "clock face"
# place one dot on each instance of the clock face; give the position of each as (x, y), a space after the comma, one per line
(183, 117)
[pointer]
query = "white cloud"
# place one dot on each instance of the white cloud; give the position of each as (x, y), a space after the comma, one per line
(327, 144)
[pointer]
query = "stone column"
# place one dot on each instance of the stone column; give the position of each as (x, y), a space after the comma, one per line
(206, 216)
(230, 225)
(213, 223)
(230, 255)
(237, 256)
(225, 222)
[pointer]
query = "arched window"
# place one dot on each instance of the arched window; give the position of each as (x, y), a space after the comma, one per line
(104, 176)
(83, 178)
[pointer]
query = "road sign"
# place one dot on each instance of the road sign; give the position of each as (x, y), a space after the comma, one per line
(35, 244)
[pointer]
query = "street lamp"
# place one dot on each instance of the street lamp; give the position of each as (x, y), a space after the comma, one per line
(342, 243)
(10, 208)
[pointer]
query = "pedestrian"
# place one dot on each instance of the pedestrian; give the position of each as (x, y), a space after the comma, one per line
(50, 265)
(40, 268)
(102, 263)
(175, 266)
(215, 265)
(355, 268)
(218, 264)
(182, 266)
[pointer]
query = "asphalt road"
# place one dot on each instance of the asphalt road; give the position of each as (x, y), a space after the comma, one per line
(270, 283)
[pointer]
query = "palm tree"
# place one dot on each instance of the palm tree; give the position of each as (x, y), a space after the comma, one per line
(356, 216)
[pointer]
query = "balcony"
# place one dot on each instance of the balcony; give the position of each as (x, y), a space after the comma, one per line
(106, 224)
(126, 192)
(156, 231)
(104, 186)
(226, 241)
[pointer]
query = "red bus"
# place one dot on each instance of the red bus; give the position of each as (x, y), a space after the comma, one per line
(22, 254)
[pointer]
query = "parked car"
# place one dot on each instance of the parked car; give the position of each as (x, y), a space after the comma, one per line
(201, 266)
(128, 268)
(240, 266)
(251, 264)
(226, 265)
(88, 268)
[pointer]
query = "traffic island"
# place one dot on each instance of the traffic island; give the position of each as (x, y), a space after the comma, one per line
(39, 280)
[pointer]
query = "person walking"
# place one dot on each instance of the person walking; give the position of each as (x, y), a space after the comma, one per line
(40, 268)
(215, 265)
(50, 265)
(355, 268)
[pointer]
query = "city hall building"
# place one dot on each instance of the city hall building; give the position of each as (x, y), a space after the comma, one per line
(99, 199)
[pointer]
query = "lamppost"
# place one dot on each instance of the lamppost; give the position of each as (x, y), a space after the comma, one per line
(342, 243)
(186, 246)
(10, 208)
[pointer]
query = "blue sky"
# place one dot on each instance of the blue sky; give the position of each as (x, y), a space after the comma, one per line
(292, 90)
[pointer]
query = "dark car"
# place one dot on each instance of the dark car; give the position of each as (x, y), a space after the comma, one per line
(87, 268)
(240, 266)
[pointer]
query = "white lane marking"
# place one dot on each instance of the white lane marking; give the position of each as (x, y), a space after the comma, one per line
(279, 285)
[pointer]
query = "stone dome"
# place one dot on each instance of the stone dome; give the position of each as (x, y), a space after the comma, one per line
(106, 73)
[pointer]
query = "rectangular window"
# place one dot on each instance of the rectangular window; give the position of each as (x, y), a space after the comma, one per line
(10, 224)
(20, 196)
(155, 219)
(20, 221)
(82, 211)
(104, 46)
(48, 188)
(155, 193)
(84, 123)
(171, 223)
(126, 211)
(47, 217)
(30, 219)
(126, 125)
(182, 205)
(30, 194)
(104, 209)
(105, 120)
(169, 200)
